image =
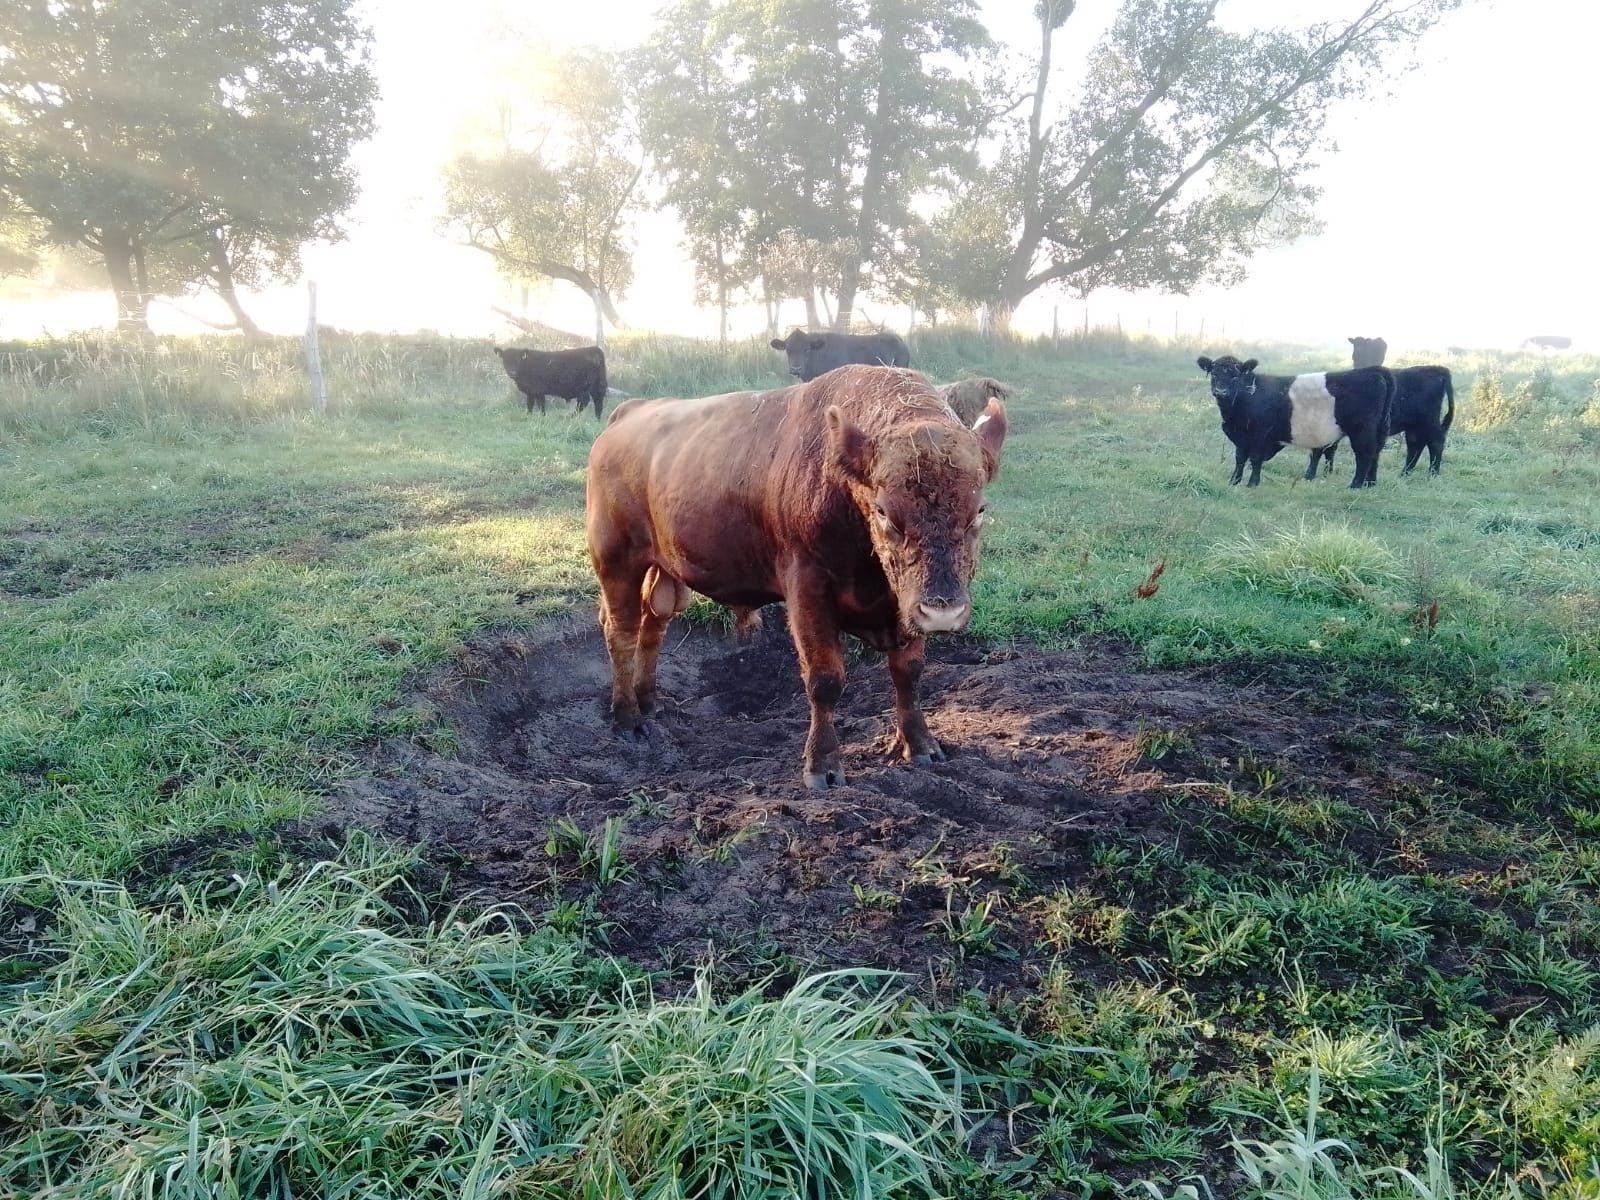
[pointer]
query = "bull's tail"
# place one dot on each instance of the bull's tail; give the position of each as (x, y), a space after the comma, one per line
(1449, 400)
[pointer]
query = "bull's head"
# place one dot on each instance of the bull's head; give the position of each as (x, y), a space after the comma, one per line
(1230, 378)
(510, 358)
(798, 346)
(920, 491)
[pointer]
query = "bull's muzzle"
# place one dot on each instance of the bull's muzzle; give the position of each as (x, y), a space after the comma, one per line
(942, 617)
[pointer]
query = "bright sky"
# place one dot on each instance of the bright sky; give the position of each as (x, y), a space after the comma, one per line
(1458, 210)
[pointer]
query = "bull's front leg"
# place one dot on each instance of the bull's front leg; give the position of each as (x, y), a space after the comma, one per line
(816, 638)
(913, 742)
(1255, 472)
(1238, 464)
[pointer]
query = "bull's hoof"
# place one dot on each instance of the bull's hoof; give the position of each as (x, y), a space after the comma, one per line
(633, 734)
(921, 755)
(821, 781)
(646, 702)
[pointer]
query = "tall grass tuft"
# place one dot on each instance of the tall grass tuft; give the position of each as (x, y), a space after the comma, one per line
(1323, 562)
(296, 1037)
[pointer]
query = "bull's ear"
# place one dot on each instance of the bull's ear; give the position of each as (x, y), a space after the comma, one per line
(850, 449)
(817, 343)
(1205, 364)
(1352, 341)
(1249, 365)
(991, 430)
(777, 345)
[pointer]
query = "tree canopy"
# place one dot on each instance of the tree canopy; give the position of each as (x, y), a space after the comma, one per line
(548, 195)
(184, 145)
(1188, 147)
(816, 145)
(796, 137)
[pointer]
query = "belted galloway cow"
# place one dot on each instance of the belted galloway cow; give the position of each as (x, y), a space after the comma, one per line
(1261, 414)
(1424, 408)
(856, 499)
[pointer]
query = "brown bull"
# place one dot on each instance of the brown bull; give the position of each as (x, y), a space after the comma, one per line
(856, 499)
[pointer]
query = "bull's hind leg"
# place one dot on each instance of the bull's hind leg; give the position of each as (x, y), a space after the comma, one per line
(663, 599)
(913, 742)
(621, 615)
(746, 624)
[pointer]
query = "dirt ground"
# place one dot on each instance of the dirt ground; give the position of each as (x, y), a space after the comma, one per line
(1052, 753)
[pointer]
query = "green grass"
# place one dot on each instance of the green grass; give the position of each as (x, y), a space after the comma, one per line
(211, 601)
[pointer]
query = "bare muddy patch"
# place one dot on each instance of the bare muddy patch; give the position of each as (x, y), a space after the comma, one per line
(723, 852)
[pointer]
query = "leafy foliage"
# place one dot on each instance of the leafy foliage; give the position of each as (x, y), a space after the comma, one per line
(550, 199)
(209, 157)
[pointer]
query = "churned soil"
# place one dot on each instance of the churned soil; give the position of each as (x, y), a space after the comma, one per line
(1052, 754)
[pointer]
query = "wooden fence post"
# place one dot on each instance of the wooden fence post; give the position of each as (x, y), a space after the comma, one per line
(319, 394)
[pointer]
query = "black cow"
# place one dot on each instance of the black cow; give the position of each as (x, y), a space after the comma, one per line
(1367, 352)
(811, 354)
(1424, 406)
(1261, 414)
(571, 374)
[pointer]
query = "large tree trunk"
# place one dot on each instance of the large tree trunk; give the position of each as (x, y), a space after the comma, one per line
(872, 181)
(142, 278)
(222, 276)
(132, 311)
(812, 321)
(1014, 288)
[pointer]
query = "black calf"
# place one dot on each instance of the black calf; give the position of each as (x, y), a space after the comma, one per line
(1424, 407)
(1261, 414)
(571, 374)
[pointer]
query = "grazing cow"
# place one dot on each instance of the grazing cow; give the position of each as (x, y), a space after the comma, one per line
(856, 499)
(969, 397)
(1261, 414)
(1548, 341)
(1424, 407)
(1367, 352)
(571, 374)
(811, 354)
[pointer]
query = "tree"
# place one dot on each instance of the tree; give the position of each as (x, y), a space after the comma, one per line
(183, 143)
(688, 113)
(1189, 149)
(920, 126)
(22, 239)
(795, 137)
(551, 201)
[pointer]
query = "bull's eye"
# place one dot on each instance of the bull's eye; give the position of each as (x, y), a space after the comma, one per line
(977, 521)
(886, 523)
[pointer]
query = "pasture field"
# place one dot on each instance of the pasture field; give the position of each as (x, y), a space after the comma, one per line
(319, 875)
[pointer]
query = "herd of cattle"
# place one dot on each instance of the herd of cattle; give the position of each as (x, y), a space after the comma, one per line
(1261, 414)
(856, 496)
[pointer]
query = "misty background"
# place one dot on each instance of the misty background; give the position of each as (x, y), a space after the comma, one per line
(1456, 202)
